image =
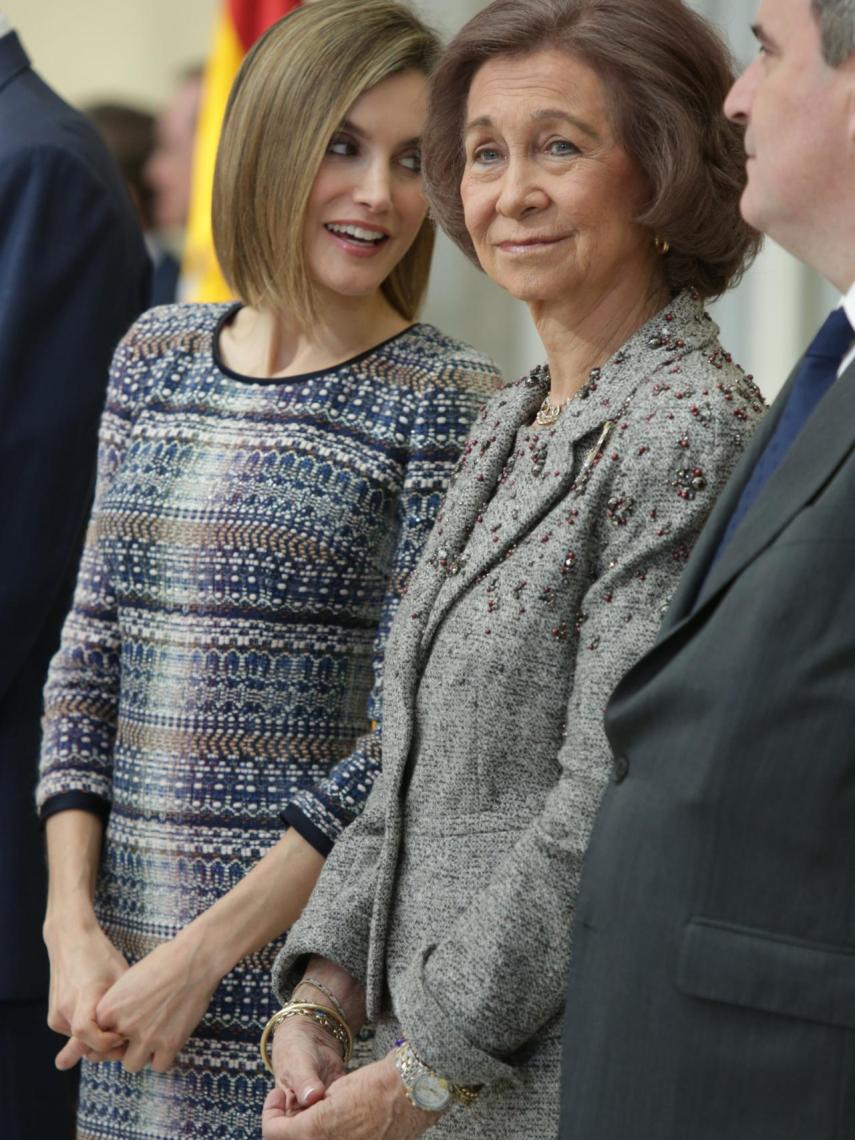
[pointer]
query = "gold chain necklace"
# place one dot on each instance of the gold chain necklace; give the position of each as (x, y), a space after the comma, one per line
(548, 413)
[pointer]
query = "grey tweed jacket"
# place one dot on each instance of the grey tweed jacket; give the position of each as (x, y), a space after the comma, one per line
(451, 898)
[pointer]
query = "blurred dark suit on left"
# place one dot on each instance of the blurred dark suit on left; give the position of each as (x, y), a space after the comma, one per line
(164, 278)
(73, 274)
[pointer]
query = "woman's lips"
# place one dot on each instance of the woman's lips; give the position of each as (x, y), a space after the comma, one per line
(529, 245)
(353, 245)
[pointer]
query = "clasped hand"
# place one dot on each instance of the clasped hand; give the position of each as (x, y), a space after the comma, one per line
(142, 1015)
(315, 1099)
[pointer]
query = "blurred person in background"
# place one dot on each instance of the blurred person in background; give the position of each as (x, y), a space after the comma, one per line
(73, 275)
(168, 172)
(567, 147)
(129, 133)
(269, 473)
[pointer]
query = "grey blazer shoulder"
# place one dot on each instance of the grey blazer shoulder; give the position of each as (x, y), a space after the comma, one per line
(453, 894)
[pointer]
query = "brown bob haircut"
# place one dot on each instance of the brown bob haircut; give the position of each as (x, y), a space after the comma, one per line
(665, 74)
(293, 90)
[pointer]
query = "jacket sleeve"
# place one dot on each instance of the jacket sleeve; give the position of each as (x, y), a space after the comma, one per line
(441, 425)
(70, 285)
(497, 977)
(82, 691)
(336, 923)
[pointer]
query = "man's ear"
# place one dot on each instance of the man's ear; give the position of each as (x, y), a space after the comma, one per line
(846, 71)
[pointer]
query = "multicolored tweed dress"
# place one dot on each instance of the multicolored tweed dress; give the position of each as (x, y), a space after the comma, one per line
(221, 664)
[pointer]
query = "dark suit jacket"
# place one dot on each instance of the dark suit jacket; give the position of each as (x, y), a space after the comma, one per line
(164, 278)
(73, 274)
(712, 993)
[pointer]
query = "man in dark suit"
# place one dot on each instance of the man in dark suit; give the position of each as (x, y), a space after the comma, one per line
(73, 274)
(712, 992)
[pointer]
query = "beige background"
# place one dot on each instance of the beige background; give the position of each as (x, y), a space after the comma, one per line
(93, 49)
(132, 49)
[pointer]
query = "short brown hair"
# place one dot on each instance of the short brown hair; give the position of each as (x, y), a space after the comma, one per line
(666, 74)
(289, 98)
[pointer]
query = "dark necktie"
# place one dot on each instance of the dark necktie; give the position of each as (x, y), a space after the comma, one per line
(818, 372)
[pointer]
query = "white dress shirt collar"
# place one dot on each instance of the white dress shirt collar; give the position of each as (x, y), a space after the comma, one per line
(5, 26)
(848, 306)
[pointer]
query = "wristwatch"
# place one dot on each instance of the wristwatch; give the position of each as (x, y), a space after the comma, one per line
(425, 1088)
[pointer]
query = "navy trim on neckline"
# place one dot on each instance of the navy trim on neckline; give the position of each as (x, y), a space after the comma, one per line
(229, 314)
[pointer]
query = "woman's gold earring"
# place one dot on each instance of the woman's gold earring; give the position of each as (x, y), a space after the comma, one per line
(661, 245)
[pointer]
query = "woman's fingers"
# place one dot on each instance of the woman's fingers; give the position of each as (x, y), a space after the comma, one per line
(305, 1059)
(292, 1105)
(305, 1080)
(113, 1055)
(136, 1057)
(71, 1052)
(83, 967)
(57, 1019)
(85, 1028)
(276, 1121)
(158, 1002)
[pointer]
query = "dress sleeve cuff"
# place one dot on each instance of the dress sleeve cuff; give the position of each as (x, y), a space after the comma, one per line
(293, 817)
(79, 801)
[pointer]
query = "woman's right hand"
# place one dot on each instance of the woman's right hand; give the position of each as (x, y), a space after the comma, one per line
(306, 1061)
(84, 964)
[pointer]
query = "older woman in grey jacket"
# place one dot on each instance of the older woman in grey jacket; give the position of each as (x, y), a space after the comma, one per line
(577, 150)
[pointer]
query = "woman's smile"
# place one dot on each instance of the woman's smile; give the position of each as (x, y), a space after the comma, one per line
(366, 206)
(358, 239)
(530, 246)
(551, 198)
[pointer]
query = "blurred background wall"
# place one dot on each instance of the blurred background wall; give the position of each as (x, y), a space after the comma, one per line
(118, 49)
(133, 50)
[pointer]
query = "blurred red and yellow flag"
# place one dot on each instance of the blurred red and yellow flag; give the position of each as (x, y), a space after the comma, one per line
(239, 25)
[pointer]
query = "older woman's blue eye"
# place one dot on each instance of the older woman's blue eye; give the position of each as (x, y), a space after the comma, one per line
(562, 147)
(486, 154)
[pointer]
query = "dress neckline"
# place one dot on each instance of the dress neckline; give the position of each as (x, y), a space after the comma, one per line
(232, 311)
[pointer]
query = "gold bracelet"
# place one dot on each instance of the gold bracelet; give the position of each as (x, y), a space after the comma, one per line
(322, 1015)
(322, 989)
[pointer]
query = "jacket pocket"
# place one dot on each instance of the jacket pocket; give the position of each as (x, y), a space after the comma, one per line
(759, 969)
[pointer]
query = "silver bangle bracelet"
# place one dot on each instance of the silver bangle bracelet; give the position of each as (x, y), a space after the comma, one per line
(326, 991)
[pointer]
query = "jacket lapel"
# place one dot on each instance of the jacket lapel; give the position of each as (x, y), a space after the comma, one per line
(456, 562)
(827, 438)
(692, 580)
(485, 454)
(823, 443)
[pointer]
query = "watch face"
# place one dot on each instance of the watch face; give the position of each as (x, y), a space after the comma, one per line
(431, 1093)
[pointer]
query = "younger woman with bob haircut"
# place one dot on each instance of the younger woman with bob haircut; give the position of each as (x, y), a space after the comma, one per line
(578, 150)
(269, 472)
